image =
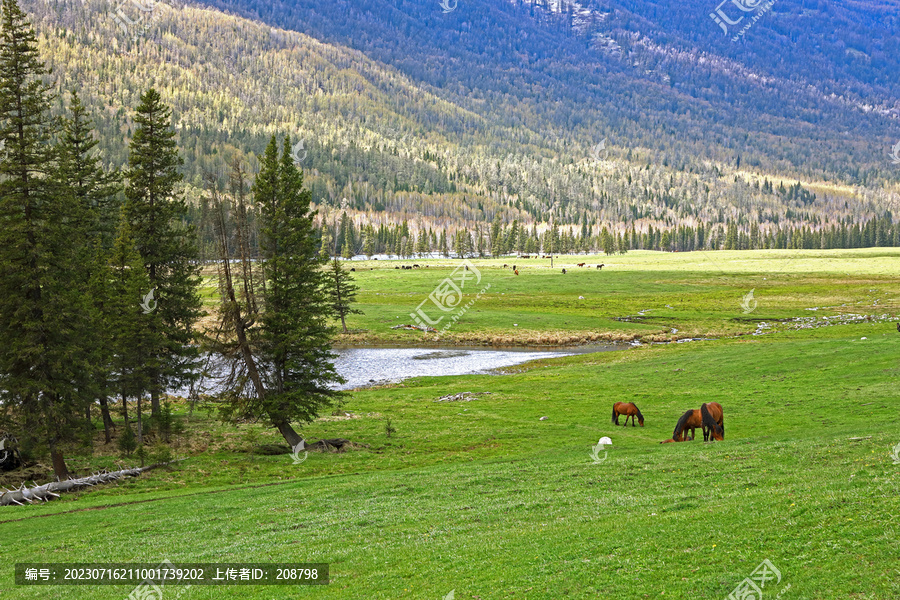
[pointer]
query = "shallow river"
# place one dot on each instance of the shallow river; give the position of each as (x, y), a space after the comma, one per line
(365, 366)
(368, 366)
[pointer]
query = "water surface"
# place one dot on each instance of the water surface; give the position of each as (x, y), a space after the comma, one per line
(368, 366)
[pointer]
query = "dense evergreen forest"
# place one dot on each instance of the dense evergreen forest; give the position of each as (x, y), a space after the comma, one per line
(81, 244)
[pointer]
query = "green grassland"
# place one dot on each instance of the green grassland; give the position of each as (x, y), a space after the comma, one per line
(484, 498)
(699, 294)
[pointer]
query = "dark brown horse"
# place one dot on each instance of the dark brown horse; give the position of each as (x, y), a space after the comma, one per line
(691, 419)
(629, 409)
(713, 420)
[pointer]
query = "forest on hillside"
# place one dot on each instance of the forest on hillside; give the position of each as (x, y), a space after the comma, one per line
(530, 124)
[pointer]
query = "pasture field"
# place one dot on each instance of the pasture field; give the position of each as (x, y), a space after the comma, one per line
(484, 499)
(697, 294)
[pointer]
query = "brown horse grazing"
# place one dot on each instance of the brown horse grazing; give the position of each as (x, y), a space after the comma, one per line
(629, 409)
(713, 420)
(691, 419)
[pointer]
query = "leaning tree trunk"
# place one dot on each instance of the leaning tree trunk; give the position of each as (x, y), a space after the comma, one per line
(59, 462)
(48, 490)
(236, 317)
(290, 436)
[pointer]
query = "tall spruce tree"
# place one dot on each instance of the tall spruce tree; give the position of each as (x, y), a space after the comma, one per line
(128, 323)
(81, 181)
(46, 368)
(167, 245)
(295, 339)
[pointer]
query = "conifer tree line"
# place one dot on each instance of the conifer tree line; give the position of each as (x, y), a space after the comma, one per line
(351, 232)
(343, 236)
(100, 275)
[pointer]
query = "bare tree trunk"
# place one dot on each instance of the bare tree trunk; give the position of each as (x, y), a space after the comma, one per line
(56, 455)
(290, 436)
(107, 420)
(59, 462)
(48, 490)
(154, 402)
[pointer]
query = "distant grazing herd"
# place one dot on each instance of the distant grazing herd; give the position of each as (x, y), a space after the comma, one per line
(505, 266)
(709, 418)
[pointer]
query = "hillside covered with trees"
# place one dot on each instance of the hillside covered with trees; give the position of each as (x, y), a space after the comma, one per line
(629, 116)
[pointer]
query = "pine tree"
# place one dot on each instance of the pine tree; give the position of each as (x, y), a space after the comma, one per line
(405, 247)
(90, 191)
(129, 323)
(157, 217)
(459, 244)
(341, 292)
(295, 340)
(445, 249)
(496, 237)
(369, 244)
(327, 243)
(422, 244)
(607, 241)
(45, 359)
(82, 175)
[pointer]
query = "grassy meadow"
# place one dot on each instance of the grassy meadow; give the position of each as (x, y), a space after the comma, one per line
(699, 294)
(483, 498)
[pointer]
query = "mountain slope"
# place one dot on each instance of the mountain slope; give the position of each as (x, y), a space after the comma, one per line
(496, 108)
